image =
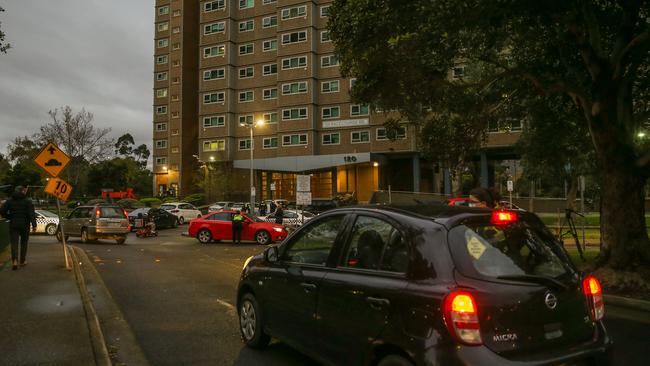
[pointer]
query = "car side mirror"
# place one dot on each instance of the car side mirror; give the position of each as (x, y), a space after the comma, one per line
(271, 254)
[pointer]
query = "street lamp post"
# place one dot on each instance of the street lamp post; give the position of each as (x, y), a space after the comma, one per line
(252, 181)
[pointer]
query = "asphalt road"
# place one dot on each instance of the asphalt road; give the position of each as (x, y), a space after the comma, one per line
(178, 296)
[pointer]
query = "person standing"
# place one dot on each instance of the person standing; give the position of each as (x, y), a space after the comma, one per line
(279, 214)
(19, 210)
(237, 227)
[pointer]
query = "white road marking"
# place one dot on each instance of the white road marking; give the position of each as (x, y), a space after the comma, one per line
(226, 304)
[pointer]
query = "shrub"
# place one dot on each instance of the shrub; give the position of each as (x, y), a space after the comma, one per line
(72, 204)
(196, 199)
(97, 201)
(169, 199)
(150, 202)
(129, 203)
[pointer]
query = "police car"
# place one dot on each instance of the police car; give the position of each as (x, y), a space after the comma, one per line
(46, 222)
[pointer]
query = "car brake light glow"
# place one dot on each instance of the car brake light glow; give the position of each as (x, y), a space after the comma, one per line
(97, 212)
(594, 293)
(503, 217)
(461, 317)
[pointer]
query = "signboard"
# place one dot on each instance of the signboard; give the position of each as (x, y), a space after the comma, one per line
(303, 198)
(273, 186)
(510, 186)
(52, 159)
(252, 191)
(345, 123)
(304, 183)
(58, 188)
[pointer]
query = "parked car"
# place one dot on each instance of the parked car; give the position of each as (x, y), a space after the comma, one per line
(459, 201)
(321, 205)
(95, 222)
(290, 217)
(223, 205)
(46, 222)
(162, 218)
(510, 206)
(217, 226)
(424, 285)
(183, 211)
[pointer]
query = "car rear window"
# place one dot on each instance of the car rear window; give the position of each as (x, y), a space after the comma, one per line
(168, 207)
(111, 213)
(517, 249)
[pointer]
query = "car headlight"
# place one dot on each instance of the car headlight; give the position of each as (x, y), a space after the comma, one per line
(247, 261)
(278, 229)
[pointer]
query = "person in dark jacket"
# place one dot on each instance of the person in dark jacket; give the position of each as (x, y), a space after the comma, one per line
(279, 214)
(237, 227)
(20, 212)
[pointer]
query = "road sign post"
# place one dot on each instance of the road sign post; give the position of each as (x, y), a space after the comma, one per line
(511, 187)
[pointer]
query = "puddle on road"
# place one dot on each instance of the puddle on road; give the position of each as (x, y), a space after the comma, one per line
(51, 304)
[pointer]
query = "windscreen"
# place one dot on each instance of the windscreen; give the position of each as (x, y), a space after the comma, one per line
(48, 214)
(516, 249)
(111, 213)
(167, 207)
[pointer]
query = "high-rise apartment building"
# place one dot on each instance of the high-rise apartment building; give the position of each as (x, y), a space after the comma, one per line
(223, 64)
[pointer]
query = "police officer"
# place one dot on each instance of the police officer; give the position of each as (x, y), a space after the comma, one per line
(237, 227)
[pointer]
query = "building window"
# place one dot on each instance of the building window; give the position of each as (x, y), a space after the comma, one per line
(352, 82)
(246, 26)
(161, 144)
(214, 74)
(295, 12)
(161, 76)
(270, 69)
(210, 98)
(329, 61)
(161, 109)
(176, 30)
(175, 132)
(270, 118)
(294, 113)
(458, 72)
(214, 121)
(214, 51)
(211, 28)
(162, 27)
(298, 139)
(175, 98)
(162, 59)
(294, 62)
(360, 137)
(176, 46)
(246, 96)
(214, 145)
(176, 63)
(245, 144)
(382, 135)
(176, 13)
(161, 127)
(324, 11)
(270, 93)
(246, 4)
(270, 143)
(270, 45)
(246, 119)
(331, 112)
(359, 110)
(266, 2)
(246, 49)
(325, 36)
(329, 86)
(176, 80)
(269, 22)
(161, 161)
(246, 72)
(294, 88)
(332, 138)
(162, 43)
(214, 5)
(161, 93)
(163, 10)
(175, 114)
(294, 37)
(175, 150)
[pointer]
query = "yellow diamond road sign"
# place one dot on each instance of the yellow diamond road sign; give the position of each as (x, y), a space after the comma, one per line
(52, 159)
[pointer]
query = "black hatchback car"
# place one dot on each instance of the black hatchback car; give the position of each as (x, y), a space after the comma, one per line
(162, 218)
(424, 285)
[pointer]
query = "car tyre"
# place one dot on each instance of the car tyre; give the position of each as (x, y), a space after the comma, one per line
(84, 236)
(204, 236)
(175, 224)
(181, 220)
(394, 360)
(263, 237)
(251, 324)
(51, 229)
(59, 237)
(121, 240)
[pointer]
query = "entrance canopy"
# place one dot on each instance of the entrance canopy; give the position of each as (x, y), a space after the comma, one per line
(303, 163)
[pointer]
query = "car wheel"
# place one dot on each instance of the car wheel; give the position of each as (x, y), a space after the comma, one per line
(121, 240)
(262, 237)
(204, 236)
(394, 360)
(59, 237)
(50, 229)
(250, 323)
(175, 224)
(181, 220)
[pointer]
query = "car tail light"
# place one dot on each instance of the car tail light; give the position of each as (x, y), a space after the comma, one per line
(98, 212)
(503, 217)
(126, 215)
(594, 293)
(174, 211)
(461, 316)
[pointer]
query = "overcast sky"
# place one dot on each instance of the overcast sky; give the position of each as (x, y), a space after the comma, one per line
(92, 54)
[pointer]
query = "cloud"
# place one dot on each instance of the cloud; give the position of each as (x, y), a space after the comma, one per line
(88, 54)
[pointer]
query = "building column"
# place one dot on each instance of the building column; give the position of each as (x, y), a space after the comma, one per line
(484, 170)
(416, 173)
(447, 180)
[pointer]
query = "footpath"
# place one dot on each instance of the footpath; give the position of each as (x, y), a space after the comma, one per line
(48, 315)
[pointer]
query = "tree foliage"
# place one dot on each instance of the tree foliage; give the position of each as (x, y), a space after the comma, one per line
(3, 45)
(594, 52)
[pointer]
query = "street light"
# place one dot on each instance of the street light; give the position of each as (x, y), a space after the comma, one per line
(259, 122)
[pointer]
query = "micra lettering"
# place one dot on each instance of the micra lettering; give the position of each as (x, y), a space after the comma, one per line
(508, 337)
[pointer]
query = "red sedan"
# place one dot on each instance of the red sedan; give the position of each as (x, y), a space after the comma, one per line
(218, 226)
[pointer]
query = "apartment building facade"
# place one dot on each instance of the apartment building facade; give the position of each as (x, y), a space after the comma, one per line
(232, 64)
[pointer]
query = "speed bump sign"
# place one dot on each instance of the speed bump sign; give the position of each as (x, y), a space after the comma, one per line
(52, 159)
(58, 188)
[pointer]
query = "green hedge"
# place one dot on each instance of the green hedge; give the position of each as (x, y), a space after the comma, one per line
(196, 199)
(149, 202)
(129, 203)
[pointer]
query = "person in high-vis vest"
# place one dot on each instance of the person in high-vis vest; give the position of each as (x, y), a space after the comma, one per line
(237, 227)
